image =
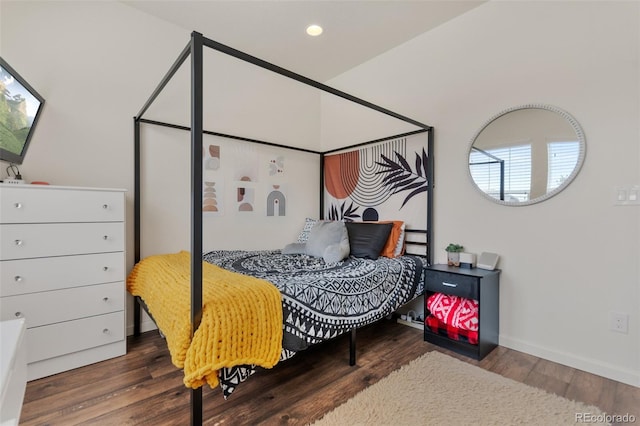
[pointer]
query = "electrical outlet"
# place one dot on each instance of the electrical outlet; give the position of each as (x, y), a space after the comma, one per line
(619, 322)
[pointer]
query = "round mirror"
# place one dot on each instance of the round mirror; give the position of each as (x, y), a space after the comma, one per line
(526, 154)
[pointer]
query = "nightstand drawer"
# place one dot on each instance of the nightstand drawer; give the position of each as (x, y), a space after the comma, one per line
(448, 283)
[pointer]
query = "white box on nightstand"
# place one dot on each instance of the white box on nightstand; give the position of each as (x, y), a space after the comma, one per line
(467, 260)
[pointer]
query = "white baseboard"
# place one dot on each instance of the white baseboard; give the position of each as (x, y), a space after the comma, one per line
(599, 368)
(415, 324)
(145, 325)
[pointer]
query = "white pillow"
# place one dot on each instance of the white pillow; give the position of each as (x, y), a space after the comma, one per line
(400, 246)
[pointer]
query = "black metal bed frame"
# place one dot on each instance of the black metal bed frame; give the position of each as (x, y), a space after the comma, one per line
(194, 50)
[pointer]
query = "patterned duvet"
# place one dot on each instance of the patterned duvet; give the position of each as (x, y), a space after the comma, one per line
(321, 301)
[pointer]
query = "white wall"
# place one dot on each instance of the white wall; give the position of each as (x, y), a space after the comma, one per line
(570, 261)
(96, 63)
(166, 196)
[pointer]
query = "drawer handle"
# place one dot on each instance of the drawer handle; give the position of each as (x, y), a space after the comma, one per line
(106, 331)
(18, 242)
(106, 299)
(446, 284)
(18, 205)
(18, 314)
(105, 268)
(17, 278)
(105, 206)
(106, 237)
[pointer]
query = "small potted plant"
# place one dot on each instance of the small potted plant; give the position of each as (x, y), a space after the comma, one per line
(453, 254)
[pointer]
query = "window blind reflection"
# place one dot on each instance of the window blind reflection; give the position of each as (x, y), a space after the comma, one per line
(485, 171)
(563, 158)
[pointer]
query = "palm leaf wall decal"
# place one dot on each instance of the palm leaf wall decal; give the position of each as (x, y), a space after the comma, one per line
(346, 213)
(400, 177)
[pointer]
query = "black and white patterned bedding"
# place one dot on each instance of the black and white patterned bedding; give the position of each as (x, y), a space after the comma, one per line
(321, 301)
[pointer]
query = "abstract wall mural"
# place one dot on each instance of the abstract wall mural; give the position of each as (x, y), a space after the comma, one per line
(382, 182)
(245, 198)
(276, 201)
(211, 157)
(245, 163)
(275, 166)
(249, 178)
(212, 188)
(400, 177)
(210, 203)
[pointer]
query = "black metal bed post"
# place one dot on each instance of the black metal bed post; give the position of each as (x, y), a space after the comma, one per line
(165, 80)
(502, 180)
(352, 347)
(136, 217)
(137, 166)
(196, 203)
(430, 186)
(321, 192)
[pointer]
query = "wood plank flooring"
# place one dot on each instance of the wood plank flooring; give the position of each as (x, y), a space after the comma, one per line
(144, 388)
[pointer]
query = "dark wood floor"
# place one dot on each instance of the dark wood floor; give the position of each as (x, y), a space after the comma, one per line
(144, 388)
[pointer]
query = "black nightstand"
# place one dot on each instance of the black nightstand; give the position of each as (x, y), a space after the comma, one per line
(478, 284)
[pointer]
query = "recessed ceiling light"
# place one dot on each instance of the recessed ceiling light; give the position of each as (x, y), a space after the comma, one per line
(314, 30)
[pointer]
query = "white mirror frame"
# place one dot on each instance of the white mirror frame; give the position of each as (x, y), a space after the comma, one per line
(581, 156)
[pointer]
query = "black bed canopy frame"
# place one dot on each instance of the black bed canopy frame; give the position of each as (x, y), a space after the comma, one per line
(194, 50)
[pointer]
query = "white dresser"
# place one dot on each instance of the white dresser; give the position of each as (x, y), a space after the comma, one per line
(62, 269)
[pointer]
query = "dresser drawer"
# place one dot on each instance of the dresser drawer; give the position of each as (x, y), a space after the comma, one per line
(73, 336)
(49, 204)
(448, 283)
(63, 305)
(59, 239)
(53, 273)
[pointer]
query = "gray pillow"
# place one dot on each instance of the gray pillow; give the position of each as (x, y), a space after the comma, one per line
(334, 253)
(295, 248)
(329, 240)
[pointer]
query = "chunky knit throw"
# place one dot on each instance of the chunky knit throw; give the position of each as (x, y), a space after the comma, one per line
(241, 316)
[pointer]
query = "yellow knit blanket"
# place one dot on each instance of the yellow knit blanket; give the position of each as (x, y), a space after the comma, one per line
(241, 316)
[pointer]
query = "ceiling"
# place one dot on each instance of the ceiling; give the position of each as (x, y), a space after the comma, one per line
(354, 31)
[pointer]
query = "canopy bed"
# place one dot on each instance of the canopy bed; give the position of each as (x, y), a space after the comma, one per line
(396, 174)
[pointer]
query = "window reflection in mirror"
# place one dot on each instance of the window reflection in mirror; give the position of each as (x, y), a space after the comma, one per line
(526, 154)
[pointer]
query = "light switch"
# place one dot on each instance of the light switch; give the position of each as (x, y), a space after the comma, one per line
(626, 195)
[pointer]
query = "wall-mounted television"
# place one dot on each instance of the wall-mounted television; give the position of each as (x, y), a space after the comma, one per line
(20, 108)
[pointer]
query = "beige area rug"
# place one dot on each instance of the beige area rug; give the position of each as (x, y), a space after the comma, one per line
(437, 389)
